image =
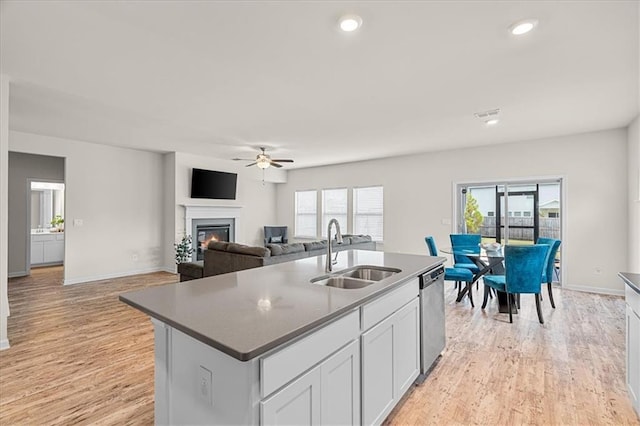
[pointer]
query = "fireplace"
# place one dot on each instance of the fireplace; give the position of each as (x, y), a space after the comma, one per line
(219, 222)
(205, 234)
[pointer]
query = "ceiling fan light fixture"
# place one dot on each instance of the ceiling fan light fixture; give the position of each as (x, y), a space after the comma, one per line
(350, 23)
(263, 163)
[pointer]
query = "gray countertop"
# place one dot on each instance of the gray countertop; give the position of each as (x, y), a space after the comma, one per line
(244, 314)
(632, 280)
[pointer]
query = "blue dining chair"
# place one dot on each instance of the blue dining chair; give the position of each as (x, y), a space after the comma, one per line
(523, 269)
(458, 275)
(467, 242)
(547, 274)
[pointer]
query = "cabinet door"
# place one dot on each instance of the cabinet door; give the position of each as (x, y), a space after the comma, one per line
(377, 372)
(340, 387)
(633, 357)
(37, 250)
(406, 349)
(53, 251)
(296, 404)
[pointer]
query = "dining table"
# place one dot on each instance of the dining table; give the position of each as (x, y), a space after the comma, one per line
(488, 262)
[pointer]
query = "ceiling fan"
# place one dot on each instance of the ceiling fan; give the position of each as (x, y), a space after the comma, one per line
(263, 160)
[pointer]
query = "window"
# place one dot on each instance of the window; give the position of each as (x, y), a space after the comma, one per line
(306, 213)
(526, 214)
(518, 214)
(554, 214)
(334, 205)
(368, 212)
(490, 214)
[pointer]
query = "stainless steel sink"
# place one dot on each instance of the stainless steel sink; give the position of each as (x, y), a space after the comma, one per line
(370, 273)
(358, 277)
(342, 282)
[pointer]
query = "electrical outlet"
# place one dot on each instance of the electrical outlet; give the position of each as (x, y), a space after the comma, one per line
(77, 222)
(134, 257)
(205, 385)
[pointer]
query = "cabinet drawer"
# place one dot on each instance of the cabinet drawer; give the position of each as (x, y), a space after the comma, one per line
(376, 311)
(288, 363)
(632, 298)
(43, 237)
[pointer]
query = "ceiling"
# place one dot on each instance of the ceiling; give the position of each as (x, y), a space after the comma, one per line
(221, 78)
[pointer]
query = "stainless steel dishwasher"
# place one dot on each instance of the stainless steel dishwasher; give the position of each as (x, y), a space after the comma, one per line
(432, 328)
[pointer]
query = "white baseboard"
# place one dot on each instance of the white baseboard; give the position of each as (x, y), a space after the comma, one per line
(88, 279)
(4, 344)
(597, 290)
(17, 274)
(171, 269)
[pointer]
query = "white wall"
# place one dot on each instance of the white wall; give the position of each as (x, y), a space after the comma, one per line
(418, 195)
(117, 193)
(169, 208)
(634, 195)
(256, 198)
(4, 212)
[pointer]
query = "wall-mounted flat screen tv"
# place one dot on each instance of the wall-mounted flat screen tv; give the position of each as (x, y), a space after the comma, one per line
(214, 185)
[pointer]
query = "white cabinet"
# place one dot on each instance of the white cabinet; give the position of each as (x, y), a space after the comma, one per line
(390, 362)
(328, 394)
(633, 346)
(340, 387)
(296, 404)
(47, 248)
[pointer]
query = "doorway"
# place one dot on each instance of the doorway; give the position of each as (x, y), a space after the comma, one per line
(46, 223)
(512, 212)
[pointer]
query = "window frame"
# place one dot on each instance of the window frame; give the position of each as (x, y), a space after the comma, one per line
(296, 234)
(343, 229)
(354, 213)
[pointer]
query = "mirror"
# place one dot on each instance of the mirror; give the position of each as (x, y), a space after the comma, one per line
(47, 203)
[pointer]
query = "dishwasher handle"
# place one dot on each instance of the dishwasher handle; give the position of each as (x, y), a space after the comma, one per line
(432, 276)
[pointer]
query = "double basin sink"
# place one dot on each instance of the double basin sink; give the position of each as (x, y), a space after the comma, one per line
(354, 278)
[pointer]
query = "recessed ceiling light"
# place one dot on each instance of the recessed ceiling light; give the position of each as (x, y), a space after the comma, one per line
(491, 122)
(523, 27)
(349, 23)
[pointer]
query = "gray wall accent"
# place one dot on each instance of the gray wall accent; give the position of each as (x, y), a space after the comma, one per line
(23, 167)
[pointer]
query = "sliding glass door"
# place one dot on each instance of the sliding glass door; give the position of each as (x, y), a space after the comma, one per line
(517, 212)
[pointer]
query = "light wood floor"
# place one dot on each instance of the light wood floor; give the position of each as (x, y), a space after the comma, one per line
(79, 356)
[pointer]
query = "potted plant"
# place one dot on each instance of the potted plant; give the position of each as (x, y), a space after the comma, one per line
(57, 222)
(183, 250)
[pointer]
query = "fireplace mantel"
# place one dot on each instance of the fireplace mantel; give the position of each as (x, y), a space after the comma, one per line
(192, 212)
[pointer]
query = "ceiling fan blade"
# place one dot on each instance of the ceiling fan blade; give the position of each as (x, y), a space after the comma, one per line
(274, 164)
(243, 159)
(284, 160)
(252, 164)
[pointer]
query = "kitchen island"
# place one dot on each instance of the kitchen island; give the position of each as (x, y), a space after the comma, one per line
(266, 346)
(632, 319)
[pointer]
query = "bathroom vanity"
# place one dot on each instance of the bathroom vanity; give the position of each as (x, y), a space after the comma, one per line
(289, 343)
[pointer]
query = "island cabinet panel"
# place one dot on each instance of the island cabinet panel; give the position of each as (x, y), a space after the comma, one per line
(390, 362)
(633, 345)
(406, 348)
(181, 396)
(296, 404)
(377, 372)
(376, 311)
(329, 394)
(286, 364)
(340, 387)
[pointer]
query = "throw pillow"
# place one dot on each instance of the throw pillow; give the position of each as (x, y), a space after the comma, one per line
(277, 239)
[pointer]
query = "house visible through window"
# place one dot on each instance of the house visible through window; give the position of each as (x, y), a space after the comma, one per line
(334, 205)
(368, 212)
(306, 213)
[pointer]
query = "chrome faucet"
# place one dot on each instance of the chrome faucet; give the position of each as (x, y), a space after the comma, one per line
(330, 262)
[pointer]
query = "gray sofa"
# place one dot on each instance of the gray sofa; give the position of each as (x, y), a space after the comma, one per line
(222, 257)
